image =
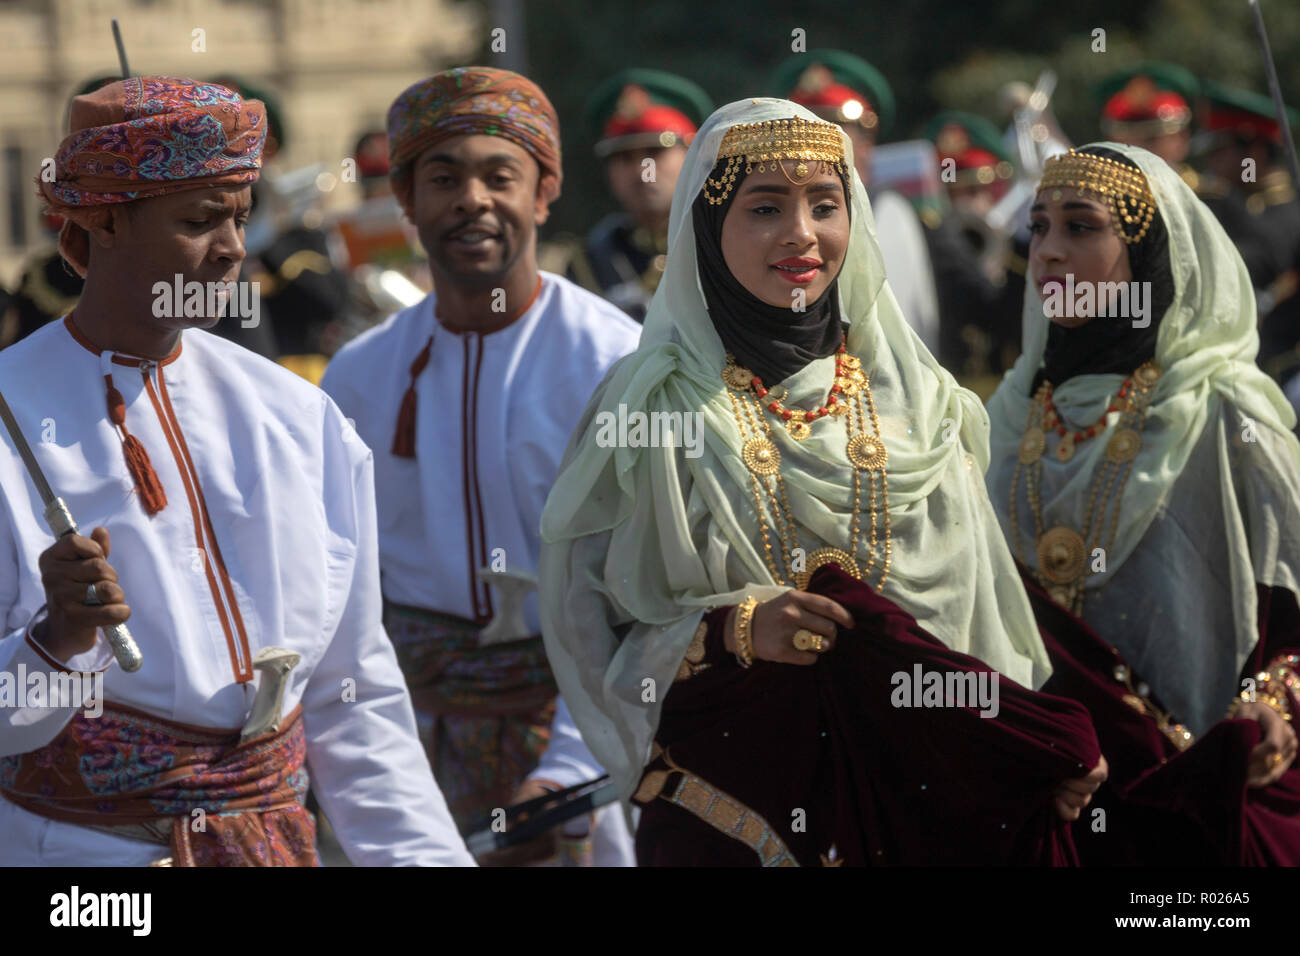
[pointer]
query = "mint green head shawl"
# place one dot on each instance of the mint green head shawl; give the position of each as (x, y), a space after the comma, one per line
(1210, 507)
(639, 542)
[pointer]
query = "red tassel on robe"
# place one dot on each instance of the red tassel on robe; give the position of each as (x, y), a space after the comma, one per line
(404, 436)
(146, 479)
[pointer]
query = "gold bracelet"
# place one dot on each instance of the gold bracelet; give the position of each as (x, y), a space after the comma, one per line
(742, 631)
(1266, 696)
(1279, 677)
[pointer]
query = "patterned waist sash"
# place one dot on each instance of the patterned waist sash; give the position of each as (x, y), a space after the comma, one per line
(215, 801)
(449, 672)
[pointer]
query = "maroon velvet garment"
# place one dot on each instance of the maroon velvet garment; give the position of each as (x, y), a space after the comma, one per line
(1164, 806)
(823, 745)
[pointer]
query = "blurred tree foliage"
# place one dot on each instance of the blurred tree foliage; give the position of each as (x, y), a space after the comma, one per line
(936, 54)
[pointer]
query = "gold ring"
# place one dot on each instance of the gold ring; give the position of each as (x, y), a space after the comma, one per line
(1277, 759)
(806, 640)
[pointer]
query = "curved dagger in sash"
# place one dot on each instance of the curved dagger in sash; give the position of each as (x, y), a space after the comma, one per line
(59, 520)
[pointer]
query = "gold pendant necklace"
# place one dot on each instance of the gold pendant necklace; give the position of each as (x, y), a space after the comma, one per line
(850, 399)
(1063, 552)
(848, 380)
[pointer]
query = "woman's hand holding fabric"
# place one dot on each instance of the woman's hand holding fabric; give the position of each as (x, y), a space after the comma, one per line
(1275, 752)
(1075, 794)
(776, 622)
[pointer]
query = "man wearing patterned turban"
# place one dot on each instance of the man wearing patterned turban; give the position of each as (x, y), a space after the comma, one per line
(477, 120)
(251, 529)
(148, 137)
(468, 399)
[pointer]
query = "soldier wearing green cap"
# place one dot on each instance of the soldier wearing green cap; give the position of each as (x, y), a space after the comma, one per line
(847, 90)
(979, 276)
(1150, 105)
(1251, 193)
(643, 120)
(973, 162)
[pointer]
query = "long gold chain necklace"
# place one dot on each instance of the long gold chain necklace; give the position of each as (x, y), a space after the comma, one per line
(850, 399)
(1063, 552)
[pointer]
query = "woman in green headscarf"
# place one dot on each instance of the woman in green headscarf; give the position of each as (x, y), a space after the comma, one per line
(1145, 475)
(835, 451)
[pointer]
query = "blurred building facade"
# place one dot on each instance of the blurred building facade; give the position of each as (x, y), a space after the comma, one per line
(334, 66)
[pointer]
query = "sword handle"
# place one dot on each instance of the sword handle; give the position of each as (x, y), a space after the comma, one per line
(59, 518)
(125, 649)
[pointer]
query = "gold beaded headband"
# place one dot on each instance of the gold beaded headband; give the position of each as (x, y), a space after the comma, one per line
(1123, 188)
(809, 141)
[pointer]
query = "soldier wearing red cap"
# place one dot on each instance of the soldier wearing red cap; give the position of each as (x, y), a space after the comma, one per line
(1250, 191)
(979, 275)
(1150, 105)
(645, 120)
(976, 166)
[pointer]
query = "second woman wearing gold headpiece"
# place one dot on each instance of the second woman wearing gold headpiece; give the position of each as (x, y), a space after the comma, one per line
(742, 630)
(1145, 475)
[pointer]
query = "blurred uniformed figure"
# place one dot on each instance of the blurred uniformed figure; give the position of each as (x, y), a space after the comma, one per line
(643, 120)
(1151, 105)
(47, 288)
(979, 273)
(1247, 185)
(847, 90)
(261, 335)
(380, 248)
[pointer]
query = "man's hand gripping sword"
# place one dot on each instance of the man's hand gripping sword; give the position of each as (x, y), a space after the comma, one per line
(59, 520)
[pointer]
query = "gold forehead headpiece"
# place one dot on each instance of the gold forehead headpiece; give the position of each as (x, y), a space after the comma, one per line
(769, 142)
(1123, 188)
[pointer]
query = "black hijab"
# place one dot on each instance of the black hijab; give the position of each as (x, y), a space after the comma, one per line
(772, 341)
(1102, 345)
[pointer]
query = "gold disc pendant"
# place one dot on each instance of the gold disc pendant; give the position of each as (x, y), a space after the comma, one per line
(798, 429)
(737, 376)
(761, 456)
(866, 453)
(848, 386)
(851, 361)
(822, 556)
(1032, 445)
(1123, 446)
(1147, 375)
(1061, 555)
(1065, 450)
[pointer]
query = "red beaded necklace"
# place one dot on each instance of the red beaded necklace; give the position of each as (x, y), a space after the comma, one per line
(845, 366)
(1052, 418)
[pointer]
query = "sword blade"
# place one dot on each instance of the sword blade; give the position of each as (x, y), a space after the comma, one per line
(25, 453)
(585, 798)
(1275, 90)
(121, 50)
